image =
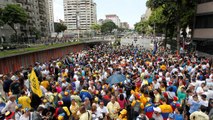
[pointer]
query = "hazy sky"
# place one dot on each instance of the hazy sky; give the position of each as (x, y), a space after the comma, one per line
(128, 10)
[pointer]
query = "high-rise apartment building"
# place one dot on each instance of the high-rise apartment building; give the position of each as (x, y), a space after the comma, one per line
(114, 18)
(79, 15)
(124, 25)
(203, 29)
(38, 19)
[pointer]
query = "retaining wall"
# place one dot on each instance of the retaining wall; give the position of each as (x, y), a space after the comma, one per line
(13, 63)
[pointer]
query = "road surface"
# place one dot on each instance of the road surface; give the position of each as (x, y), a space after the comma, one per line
(140, 42)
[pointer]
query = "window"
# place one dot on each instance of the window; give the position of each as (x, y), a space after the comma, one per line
(204, 21)
(204, 1)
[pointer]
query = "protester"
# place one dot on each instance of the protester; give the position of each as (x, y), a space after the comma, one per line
(199, 115)
(159, 86)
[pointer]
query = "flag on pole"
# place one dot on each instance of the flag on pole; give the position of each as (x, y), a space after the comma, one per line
(34, 84)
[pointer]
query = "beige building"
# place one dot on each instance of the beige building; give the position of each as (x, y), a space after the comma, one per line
(79, 15)
(203, 29)
(124, 25)
(114, 18)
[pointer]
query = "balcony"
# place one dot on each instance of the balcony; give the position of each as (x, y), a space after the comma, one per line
(42, 18)
(29, 9)
(21, 1)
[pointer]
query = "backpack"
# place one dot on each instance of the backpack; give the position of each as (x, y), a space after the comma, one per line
(137, 107)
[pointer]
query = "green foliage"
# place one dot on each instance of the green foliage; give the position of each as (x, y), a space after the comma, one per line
(171, 16)
(96, 27)
(1, 15)
(13, 14)
(142, 27)
(59, 27)
(108, 27)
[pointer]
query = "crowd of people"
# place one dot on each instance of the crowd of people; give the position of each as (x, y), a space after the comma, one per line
(161, 86)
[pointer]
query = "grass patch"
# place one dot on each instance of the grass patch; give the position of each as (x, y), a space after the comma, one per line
(6, 53)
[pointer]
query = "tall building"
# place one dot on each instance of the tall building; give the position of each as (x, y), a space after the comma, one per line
(124, 25)
(203, 29)
(51, 16)
(114, 18)
(79, 15)
(38, 19)
(43, 6)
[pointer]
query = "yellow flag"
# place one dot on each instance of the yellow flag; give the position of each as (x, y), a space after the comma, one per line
(34, 84)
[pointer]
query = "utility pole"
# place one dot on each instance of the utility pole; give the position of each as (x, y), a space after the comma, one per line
(77, 19)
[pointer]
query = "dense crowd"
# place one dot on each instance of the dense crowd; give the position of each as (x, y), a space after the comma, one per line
(161, 86)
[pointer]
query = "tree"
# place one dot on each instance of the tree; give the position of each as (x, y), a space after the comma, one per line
(1, 16)
(14, 14)
(108, 27)
(96, 28)
(178, 13)
(142, 27)
(59, 27)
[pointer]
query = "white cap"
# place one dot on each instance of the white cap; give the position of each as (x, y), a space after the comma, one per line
(157, 109)
(13, 78)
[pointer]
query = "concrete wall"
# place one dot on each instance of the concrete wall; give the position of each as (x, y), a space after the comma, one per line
(203, 33)
(13, 63)
(205, 8)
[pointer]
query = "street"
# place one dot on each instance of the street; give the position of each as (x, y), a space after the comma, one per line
(140, 41)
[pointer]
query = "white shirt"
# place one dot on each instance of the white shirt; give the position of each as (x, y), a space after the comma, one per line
(10, 106)
(205, 103)
(23, 117)
(199, 90)
(156, 85)
(77, 84)
(103, 110)
(18, 115)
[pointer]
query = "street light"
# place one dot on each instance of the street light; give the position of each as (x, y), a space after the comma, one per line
(1, 38)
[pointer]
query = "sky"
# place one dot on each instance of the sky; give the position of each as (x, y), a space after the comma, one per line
(128, 10)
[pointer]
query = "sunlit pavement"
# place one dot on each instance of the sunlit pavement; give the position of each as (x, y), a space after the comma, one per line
(145, 42)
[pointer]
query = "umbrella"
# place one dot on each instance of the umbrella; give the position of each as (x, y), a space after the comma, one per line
(116, 78)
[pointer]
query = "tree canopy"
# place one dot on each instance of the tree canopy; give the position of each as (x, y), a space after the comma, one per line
(13, 14)
(108, 27)
(59, 27)
(171, 16)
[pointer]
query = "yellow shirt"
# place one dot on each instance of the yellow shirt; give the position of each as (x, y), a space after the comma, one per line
(157, 98)
(166, 108)
(134, 102)
(86, 116)
(45, 84)
(113, 109)
(143, 99)
(163, 89)
(74, 109)
(122, 118)
(64, 74)
(24, 101)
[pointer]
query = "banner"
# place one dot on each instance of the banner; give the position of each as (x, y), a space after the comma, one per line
(34, 84)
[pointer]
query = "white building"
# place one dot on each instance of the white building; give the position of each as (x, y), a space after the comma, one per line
(51, 16)
(114, 18)
(79, 15)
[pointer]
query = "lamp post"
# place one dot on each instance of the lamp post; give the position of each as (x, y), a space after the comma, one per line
(1, 38)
